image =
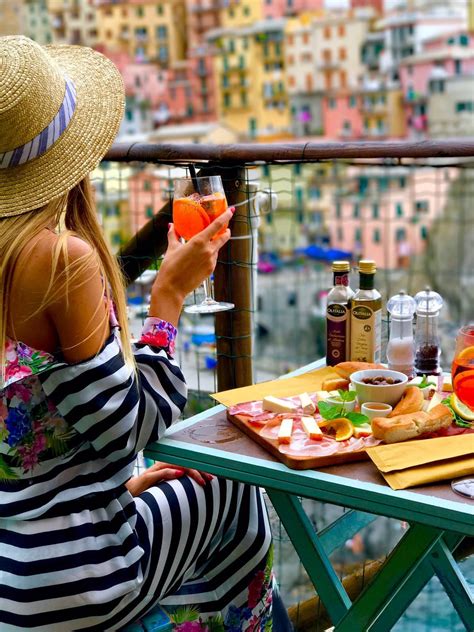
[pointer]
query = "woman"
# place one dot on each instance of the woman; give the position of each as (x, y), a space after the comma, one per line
(82, 544)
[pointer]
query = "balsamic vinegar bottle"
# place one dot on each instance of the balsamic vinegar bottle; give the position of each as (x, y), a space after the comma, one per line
(338, 315)
(366, 317)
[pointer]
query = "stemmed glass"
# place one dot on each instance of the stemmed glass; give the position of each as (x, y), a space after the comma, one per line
(462, 373)
(197, 202)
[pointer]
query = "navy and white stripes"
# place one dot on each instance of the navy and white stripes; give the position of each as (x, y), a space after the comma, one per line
(47, 137)
(78, 552)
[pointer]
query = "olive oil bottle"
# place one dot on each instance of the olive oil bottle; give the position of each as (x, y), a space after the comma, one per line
(338, 315)
(366, 317)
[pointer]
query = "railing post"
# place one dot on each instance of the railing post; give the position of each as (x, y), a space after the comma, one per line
(233, 283)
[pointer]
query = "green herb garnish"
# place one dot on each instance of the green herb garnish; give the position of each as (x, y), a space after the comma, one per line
(333, 411)
(424, 383)
(459, 421)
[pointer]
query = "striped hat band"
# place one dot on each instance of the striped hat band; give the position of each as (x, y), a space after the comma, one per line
(47, 137)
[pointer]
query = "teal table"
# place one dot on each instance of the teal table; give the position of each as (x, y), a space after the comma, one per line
(438, 520)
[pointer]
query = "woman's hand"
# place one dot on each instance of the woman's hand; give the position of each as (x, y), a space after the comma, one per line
(163, 472)
(185, 266)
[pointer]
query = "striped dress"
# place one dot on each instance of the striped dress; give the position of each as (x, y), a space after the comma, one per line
(77, 551)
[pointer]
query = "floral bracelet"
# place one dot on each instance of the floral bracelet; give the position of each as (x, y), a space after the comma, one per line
(159, 333)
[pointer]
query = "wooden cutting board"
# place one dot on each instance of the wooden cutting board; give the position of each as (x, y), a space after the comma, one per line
(293, 462)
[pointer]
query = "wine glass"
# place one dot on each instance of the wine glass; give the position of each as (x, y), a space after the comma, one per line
(462, 373)
(197, 202)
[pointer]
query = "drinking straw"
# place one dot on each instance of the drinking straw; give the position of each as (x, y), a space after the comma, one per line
(192, 172)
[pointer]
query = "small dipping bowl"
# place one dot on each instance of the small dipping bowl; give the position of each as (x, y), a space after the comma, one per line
(386, 393)
(335, 400)
(375, 409)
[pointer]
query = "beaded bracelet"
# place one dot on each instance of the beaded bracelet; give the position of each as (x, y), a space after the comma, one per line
(159, 333)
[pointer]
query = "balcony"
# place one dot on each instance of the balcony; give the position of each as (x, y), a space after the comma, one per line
(265, 344)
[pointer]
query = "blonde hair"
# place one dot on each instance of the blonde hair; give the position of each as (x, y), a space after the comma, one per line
(75, 211)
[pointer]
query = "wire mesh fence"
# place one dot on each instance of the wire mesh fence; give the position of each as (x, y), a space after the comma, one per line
(414, 216)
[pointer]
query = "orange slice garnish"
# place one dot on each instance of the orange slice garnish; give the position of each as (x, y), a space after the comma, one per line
(341, 426)
(189, 217)
(466, 354)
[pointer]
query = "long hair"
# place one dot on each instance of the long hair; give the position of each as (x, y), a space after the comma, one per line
(75, 212)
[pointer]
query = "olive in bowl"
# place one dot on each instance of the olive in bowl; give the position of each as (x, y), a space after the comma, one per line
(379, 385)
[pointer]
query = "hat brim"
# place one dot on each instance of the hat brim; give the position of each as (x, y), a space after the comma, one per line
(89, 135)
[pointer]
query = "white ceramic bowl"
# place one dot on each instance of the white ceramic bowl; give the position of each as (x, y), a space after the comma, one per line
(337, 401)
(388, 393)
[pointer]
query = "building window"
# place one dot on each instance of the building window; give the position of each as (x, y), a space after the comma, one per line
(376, 236)
(225, 81)
(457, 67)
(375, 210)
(436, 86)
(357, 235)
(225, 63)
(399, 209)
(291, 81)
(465, 106)
(128, 115)
(231, 46)
(352, 101)
(332, 104)
(340, 233)
(241, 61)
(314, 193)
(342, 79)
(227, 100)
(159, 9)
(246, 10)
(402, 182)
(342, 54)
(163, 53)
(400, 235)
(424, 232)
(147, 185)
(327, 32)
(161, 32)
(356, 210)
(139, 12)
(243, 98)
(305, 38)
(149, 212)
(422, 206)
(463, 40)
(341, 30)
(338, 210)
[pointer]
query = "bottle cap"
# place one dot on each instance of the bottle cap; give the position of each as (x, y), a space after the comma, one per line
(367, 266)
(401, 306)
(341, 266)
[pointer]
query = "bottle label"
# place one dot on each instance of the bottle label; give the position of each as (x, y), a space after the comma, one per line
(366, 334)
(337, 333)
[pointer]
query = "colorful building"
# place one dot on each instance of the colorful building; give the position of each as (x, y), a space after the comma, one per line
(73, 22)
(283, 8)
(11, 17)
(250, 77)
(388, 212)
(36, 21)
(305, 100)
(451, 109)
(148, 30)
(424, 75)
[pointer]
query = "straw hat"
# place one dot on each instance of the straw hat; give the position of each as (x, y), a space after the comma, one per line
(60, 110)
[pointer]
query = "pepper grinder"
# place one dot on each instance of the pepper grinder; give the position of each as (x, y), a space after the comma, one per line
(428, 350)
(401, 345)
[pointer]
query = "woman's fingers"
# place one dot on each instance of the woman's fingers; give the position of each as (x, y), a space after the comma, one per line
(216, 225)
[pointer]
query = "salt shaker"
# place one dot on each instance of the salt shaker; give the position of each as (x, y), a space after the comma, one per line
(428, 349)
(401, 344)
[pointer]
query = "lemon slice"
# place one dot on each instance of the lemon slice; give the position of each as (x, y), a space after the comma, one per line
(341, 426)
(467, 353)
(461, 409)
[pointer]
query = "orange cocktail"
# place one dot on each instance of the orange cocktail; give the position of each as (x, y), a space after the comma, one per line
(462, 370)
(193, 213)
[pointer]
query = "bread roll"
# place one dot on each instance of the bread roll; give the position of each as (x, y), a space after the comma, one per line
(346, 369)
(411, 402)
(411, 425)
(334, 384)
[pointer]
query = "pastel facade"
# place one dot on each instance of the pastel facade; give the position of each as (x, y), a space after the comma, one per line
(73, 22)
(281, 8)
(148, 30)
(451, 112)
(389, 213)
(11, 17)
(250, 77)
(36, 21)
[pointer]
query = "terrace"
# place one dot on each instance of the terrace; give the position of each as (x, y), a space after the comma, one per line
(408, 205)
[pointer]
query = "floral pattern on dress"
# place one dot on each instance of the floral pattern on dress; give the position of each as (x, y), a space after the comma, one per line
(254, 616)
(159, 333)
(30, 424)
